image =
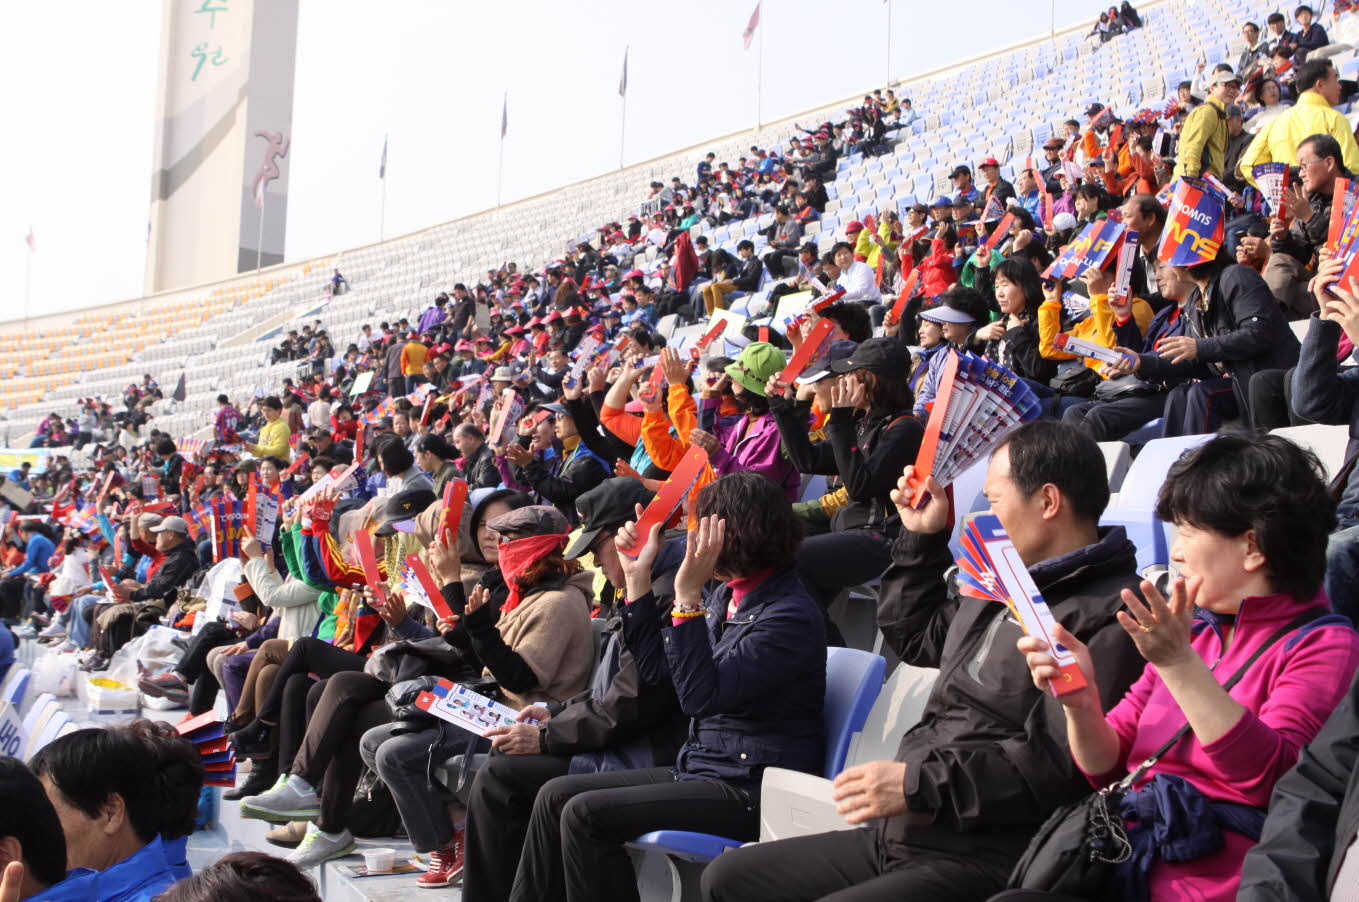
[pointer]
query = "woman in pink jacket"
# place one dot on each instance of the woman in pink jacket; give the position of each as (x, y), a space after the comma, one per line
(1253, 515)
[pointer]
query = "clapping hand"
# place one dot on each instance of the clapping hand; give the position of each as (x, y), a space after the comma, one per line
(1161, 629)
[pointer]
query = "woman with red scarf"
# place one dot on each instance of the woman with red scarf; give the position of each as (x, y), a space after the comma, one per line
(539, 649)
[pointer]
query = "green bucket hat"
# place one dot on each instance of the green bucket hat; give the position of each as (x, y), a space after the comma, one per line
(758, 361)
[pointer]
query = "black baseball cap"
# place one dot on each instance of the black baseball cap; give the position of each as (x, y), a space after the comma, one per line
(400, 511)
(607, 506)
(840, 349)
(878, 355)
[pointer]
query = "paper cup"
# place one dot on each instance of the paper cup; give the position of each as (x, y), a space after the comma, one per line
(379, 861)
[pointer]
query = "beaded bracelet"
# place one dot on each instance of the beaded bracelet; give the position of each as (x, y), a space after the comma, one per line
(682, 614)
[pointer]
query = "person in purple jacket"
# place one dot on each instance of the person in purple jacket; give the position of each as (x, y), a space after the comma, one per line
(750, 441)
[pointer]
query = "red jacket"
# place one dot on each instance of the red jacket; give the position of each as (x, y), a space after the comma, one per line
(937, 272)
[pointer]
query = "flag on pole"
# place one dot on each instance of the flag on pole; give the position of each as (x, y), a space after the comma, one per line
(749, 34)
(623, 81)
(382, 164)
(181, 391)
(32, 244)
(505, 115)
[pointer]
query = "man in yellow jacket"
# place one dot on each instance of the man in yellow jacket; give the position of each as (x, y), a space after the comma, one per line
(1318, 84)
(1203, 141)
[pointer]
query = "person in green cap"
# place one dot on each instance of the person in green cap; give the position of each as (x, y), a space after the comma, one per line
(749, 441)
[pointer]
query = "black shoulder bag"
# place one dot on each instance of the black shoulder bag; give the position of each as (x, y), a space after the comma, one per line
(1078, 846)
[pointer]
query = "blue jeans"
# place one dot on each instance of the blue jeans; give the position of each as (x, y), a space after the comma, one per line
(77, 627)
(1342, 571)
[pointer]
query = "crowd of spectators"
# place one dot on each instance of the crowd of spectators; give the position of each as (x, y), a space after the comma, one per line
(1238, 665)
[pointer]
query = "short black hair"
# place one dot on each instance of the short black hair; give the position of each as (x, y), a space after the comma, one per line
(1274, 17)
(853, 319)
(1312, 73)
(1324, 145)
(223, 399)
(27, 815)
(762, 531)
(969, 301)
(745, 245)
(1050, 451)
(1238, 483)
(244, 877)
(157, 775)
(395, 458)
(165, 447)
(1148, 207)
(467, 427)
(272, 403)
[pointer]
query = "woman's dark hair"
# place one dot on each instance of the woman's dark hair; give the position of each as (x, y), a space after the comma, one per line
(1050, 451)
(1091, 191)
(395, 458)
(749, 402)
(27, 815)
(326, 463)
(1258, 92)
(165, 447)
(512, 499)
(244, 877)
(551, 569)
(157, 773)
(888, 392)
(762, 530)
(1234, 484)
(279, 463)
(853, 319)
(969, 301)
(435, 444)
(1019, 271)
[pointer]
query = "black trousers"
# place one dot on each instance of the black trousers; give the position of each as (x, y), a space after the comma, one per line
(396, 386)
(1109, 421)
(498, 812)
(843, 866)
(574, 849)
(193, 666)
(11, 597)
(350, 704)
(1195, 408)
(834, 561)
(307, 655)
(780, 265)
(1271, 400)
(301, 695)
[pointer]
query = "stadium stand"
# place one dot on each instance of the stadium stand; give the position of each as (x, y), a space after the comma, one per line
(145, 573)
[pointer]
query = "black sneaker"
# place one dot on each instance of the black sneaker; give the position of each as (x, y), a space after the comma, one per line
(262, 778)
(254, 741)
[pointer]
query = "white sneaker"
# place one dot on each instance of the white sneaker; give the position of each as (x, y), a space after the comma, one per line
(52, 631)
(283, 803)
(316, 848)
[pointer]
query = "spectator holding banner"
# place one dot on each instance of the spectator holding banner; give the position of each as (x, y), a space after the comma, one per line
(1293, 246)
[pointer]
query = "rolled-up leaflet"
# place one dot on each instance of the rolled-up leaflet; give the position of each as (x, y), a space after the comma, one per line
(669, 499)
(992, 569)
(1083, 348)
(812, 347)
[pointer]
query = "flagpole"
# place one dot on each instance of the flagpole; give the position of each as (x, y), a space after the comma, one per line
(759, 74)
(623, 118)
(889, 44)
(28, 276)
(500, 164)
(382, 211)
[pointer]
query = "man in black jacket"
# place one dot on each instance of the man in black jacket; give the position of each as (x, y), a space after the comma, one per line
(746, 279)
(1292, 246)
(1307, 850)
(478, 461)
(621, 722)
(141, 606)
(988, 761)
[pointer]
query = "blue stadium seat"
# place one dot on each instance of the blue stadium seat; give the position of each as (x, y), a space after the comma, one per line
(853, 681)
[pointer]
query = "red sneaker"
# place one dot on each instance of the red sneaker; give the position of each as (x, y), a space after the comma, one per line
(445, 865)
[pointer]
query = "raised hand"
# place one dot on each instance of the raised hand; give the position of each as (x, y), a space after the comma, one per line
(1044, 670)
(1161, 629)
(700, 558)
(933, 517)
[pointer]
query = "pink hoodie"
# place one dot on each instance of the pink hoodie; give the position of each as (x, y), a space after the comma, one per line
(1288, 694)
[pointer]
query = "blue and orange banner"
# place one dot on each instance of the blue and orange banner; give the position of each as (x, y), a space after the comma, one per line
(1195, 225)
(1092, 247)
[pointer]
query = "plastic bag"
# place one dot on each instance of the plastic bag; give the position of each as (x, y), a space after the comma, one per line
(55, 674)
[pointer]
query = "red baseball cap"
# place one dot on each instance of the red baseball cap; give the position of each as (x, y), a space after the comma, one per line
(989, 161)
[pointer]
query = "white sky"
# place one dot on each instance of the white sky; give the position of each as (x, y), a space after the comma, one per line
(79, 99)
